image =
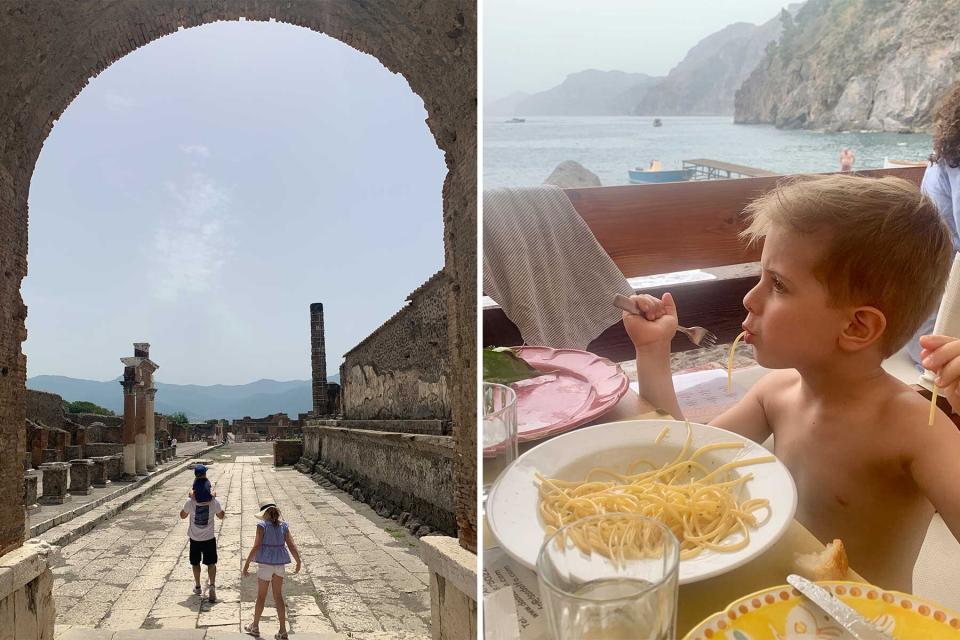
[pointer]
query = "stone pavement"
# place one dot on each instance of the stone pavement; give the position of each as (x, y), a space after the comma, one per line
(361, 575)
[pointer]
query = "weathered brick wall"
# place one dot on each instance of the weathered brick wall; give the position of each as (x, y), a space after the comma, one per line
(51, 50)
(400, 371)
(45, 408)
(287, 452)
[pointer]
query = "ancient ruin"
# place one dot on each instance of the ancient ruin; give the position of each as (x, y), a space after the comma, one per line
(51, 52)
(139, 455)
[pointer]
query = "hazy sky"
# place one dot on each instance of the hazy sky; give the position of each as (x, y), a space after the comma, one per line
(532, 45)
(205, 189)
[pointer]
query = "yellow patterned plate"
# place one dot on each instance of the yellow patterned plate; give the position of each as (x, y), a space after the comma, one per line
(781, 613)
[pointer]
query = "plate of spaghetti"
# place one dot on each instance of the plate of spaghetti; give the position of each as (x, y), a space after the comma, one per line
(726, 498)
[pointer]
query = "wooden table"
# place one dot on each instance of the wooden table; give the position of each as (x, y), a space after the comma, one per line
(701, 599)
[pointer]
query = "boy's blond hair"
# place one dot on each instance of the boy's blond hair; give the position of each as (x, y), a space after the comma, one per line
(884, 243)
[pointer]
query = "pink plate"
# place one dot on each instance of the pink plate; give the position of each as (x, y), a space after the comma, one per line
(579, 387)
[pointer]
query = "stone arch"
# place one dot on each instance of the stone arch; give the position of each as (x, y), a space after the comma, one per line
(51, 50)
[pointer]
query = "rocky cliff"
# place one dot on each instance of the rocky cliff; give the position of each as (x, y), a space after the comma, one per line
(705, 81)
(856, 64)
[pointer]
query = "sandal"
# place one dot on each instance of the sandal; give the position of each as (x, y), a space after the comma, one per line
(281, 635)
(252, 629)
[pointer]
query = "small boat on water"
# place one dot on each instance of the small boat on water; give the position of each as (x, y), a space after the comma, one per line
(517, 120)
(657, 123)
(646, 176)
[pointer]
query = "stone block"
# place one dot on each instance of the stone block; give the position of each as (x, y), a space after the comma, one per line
(287, 452)
(30, 481)
(73, 452)
(50, 455)
(100, 473)
(56, 479)
(115, 466)
(453, 587)
(81, 471)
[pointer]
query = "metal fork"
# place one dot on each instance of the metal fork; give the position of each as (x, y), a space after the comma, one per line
(697, 335)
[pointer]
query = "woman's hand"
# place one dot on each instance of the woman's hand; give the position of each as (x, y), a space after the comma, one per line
(297, 568)
(246, 569)
(941, 354)
(656, 323)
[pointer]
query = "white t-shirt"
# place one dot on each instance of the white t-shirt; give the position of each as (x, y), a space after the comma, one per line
(201, 518)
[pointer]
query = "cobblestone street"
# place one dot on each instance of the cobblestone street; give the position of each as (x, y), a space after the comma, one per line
(361, 574)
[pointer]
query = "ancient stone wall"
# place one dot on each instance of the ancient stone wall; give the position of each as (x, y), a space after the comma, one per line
(45, 408)
(394, 472)
(95, 449)
(50, 52)
(311, 442)
(86, 419)
(287, 452)
(400, 371)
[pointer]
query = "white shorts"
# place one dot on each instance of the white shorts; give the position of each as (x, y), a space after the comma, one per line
(267, 571)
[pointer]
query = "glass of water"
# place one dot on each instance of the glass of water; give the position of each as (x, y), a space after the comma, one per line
(499, 432)
(632, 596)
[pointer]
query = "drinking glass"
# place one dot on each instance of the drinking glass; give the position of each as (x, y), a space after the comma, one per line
(499, 432)
(630, 597)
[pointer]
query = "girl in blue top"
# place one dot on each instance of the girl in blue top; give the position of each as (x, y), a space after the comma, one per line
(270, 552)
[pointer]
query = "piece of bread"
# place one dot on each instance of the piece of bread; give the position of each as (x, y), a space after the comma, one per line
(829, 564)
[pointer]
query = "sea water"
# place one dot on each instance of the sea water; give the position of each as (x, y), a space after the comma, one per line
(524, 154)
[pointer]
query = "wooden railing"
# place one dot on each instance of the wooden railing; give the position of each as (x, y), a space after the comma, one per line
(662, 228)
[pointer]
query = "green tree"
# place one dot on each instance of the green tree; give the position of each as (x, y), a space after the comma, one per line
(178, 418)
(82, 406)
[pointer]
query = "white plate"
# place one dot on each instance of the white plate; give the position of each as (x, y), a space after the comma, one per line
(514, 519)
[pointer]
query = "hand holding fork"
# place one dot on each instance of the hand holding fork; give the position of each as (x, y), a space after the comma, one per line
(697, 335)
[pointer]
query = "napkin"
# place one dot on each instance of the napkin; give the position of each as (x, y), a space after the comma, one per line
(545, 268)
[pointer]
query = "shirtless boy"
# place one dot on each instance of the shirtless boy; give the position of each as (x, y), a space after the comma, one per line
(850, 268)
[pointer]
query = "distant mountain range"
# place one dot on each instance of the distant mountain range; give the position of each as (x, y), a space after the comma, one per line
(587, 93)
(256, 399)
(703, 83)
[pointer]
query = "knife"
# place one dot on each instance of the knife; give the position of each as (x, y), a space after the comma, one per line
(855, 624)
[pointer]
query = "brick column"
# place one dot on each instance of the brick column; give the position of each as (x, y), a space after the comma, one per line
(318, 359)
(150, 394)
(129, 422)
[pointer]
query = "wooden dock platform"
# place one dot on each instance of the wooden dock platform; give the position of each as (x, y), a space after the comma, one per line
(706, 169)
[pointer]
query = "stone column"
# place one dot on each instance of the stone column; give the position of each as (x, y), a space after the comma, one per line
(80, 473)
(149, 395)
(129, 423)
(318, 359)
(141, 431)
(55, 479)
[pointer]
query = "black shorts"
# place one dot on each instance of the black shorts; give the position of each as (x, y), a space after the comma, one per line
(206, 549)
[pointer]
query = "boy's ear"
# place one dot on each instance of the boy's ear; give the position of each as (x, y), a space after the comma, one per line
(865, 326)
